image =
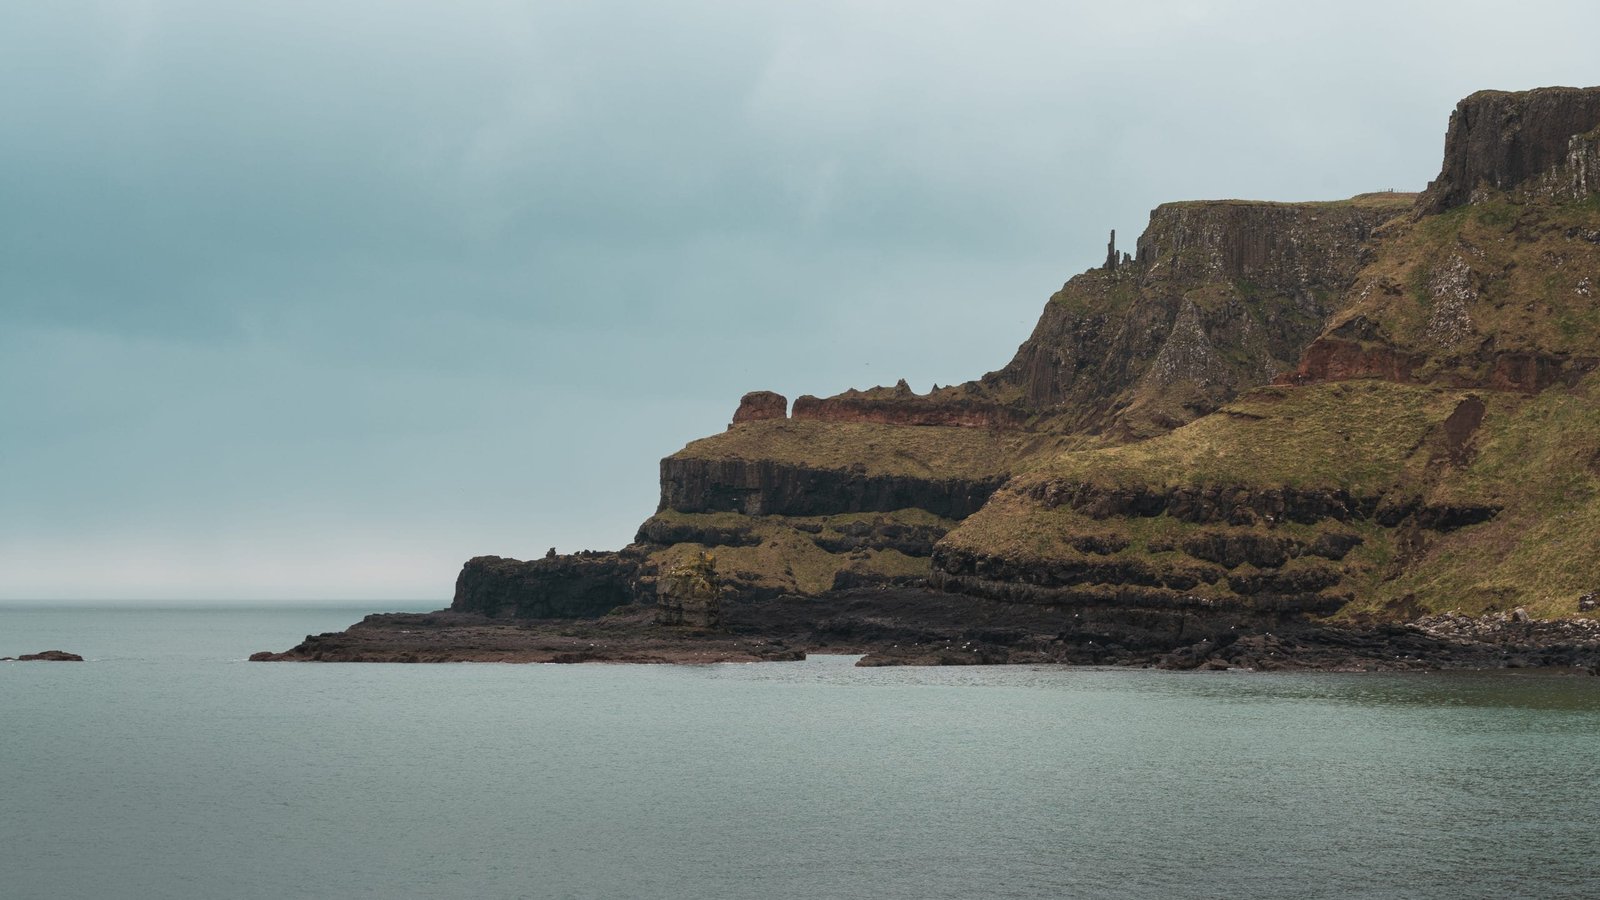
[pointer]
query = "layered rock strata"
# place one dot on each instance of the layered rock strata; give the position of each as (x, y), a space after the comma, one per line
(1543, 141)
(1129, 489)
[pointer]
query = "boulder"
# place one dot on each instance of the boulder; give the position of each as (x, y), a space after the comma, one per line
(760, 405)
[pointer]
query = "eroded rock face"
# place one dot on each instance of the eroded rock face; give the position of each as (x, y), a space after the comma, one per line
(581, 585)
(1544, 141)
(757, 406)
(767, 487)
(688, 594)
(1222, 296)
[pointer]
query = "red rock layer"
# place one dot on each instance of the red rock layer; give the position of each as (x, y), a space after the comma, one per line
(758, 405)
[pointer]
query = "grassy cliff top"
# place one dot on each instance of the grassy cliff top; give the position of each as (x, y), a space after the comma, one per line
(1375, 199)
(1362, 436)
(1514, 275)
(922, 451)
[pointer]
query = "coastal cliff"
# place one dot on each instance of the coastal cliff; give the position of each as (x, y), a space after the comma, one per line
(1274, 434)
(1442, 420)
(1221, 296)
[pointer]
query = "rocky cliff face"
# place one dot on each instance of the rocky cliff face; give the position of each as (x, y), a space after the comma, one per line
(1466, 326)
(770, 487)
(1543, 142)
(1494, 283)
(583, 585)
(1222, 296)
(1129, 475)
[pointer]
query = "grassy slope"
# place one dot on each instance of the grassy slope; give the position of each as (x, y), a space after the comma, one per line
(1360, 436)
(1532, 282)
(920, 451)
(1365, 437)
(787, 558)
(1537, 457)
(1532, 279)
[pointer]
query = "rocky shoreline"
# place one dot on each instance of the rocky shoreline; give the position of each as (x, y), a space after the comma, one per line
(915, 626)
(1278, 436)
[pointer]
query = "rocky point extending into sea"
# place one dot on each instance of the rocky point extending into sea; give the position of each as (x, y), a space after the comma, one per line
(1360, 434)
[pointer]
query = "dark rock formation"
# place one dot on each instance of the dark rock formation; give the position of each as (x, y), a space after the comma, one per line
(1246, 504)
(629, 637)
(911, 626)
(688, 594)
(580, 585)
(757, 406)
(768, 487)
(1221, 296)
(45, 656)
(1543, 140)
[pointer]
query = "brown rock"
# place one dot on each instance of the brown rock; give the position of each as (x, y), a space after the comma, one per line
(759, 405)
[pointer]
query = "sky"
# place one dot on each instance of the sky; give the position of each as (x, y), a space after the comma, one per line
(313, 301)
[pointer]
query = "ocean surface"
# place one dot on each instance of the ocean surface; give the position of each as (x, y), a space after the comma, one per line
(167, 766)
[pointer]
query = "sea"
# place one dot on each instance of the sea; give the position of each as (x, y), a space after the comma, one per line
(166, 766)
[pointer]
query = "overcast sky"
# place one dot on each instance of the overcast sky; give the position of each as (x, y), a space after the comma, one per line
(316, 300)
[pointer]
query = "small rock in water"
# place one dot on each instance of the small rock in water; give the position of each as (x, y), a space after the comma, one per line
(48, 656)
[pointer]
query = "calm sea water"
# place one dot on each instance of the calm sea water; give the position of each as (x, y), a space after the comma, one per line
(166, 766)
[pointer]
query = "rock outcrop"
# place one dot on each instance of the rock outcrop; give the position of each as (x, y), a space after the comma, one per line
(44, 656)
(1130, 489)
(1545, 142)
(768, 487)
(582, 585)
(758, 406)
(688, 594)
(1221, 296)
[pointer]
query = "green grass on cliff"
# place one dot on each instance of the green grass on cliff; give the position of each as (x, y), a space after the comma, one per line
(1512, 275)
(1539, 459)
(921, 451)
(787, 557)
(1536, 458)
(1361, 436)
